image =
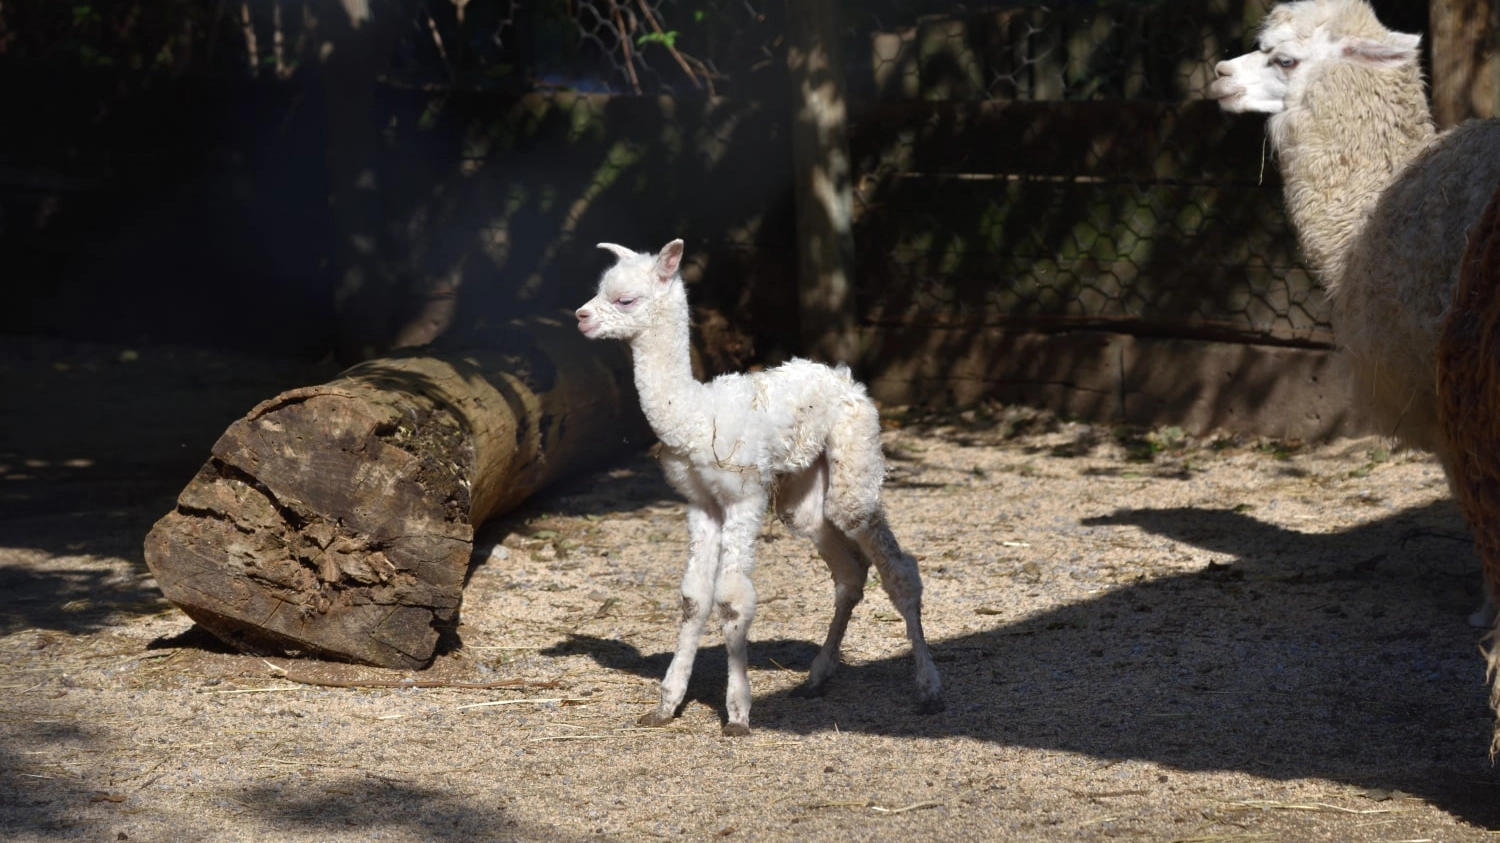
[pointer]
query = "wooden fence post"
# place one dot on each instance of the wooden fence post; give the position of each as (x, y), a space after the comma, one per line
(821, 175)
(1465, 59)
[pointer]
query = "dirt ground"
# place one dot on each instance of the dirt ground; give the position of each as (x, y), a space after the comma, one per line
(1143, 636)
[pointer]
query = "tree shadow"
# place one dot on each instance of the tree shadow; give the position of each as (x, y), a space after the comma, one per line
(369, 802)
(1225, 668)
(45, 806)
(50, 807)
(74, 599)
(501, 200)
(96, 444)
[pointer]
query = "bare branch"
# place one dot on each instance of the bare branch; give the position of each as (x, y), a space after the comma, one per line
(248, 28)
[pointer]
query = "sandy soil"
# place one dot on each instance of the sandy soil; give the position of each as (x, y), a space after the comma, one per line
(1143, 636)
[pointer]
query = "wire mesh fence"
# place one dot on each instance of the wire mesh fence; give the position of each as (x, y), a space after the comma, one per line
(1043, 52)
(1053, 166)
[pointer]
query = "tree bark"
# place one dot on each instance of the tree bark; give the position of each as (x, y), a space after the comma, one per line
(821, 181)
(338, 520)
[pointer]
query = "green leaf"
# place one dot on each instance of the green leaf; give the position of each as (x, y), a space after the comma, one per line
(667, 38)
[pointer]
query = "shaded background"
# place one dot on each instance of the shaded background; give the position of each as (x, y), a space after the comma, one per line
(1045, 210)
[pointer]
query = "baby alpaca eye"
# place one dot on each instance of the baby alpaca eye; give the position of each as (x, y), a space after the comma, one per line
(1285, 62)
(624, 301)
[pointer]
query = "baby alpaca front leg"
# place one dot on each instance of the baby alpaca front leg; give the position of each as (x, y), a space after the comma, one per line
(735, 596)
(698, 585)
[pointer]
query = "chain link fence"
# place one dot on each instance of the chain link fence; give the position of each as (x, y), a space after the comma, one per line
(1052, 166)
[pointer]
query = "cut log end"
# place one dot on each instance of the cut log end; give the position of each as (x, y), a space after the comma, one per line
(324, 526)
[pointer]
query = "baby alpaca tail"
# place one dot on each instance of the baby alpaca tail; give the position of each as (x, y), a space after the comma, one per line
(856, 465)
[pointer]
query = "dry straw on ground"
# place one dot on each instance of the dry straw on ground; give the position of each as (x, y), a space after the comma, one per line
(1144, 636)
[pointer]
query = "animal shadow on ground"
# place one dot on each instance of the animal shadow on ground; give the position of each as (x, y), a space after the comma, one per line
(1344, 656)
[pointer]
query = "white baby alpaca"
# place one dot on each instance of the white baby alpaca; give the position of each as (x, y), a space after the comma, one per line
(801, 435)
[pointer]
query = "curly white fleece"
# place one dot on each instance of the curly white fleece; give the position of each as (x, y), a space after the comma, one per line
(803, 436)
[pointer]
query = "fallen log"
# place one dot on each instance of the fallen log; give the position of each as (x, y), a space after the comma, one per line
(338, 520)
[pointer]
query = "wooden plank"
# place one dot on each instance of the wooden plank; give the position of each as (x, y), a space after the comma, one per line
(1196, 328)
(1137, 140)
(1076, 374)
(1202, 386)
(1292, 393)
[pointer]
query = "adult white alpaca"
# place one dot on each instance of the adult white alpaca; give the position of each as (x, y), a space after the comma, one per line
(1381, 201)
(802, 436)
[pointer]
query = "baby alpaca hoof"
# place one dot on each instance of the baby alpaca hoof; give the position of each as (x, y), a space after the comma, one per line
(653, 719)
(931, 705)
(734, 730)
(809, 692)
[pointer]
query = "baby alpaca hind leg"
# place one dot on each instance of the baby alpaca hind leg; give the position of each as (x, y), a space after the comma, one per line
(849, 574)
(857, 471)
(902, 583)
(800, 499)
(698, 583)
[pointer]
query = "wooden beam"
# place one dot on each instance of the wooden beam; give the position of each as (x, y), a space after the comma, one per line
(1465, 59)
(1108, 378)
(821, 182)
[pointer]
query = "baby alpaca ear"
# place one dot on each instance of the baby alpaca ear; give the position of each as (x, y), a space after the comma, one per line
(668, 261)
(1400, 48)
(620, 251)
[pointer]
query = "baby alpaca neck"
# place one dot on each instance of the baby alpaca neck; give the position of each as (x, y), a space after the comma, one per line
(671, 396)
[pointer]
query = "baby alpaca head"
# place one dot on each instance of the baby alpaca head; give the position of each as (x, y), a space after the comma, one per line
(1297, 41)
(632, 292)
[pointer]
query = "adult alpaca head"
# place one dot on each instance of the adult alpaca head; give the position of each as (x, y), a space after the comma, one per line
(1348, 110)
(1298, 41)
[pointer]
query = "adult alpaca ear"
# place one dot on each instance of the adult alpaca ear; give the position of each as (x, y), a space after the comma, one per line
(1398, 49)
(620, 251)
(668, 261)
